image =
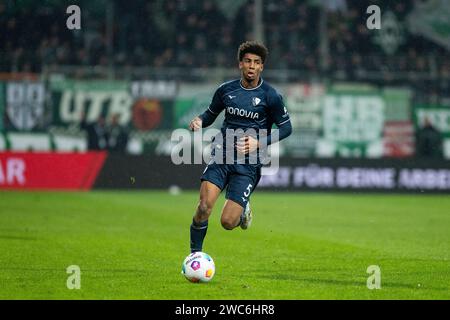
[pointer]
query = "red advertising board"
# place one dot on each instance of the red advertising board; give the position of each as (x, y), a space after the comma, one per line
(50, 170)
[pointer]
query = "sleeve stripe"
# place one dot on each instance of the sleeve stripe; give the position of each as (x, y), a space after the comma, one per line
(212, 111)
(279, 124)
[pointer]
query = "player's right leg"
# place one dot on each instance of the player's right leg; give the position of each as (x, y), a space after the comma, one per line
(209, 193)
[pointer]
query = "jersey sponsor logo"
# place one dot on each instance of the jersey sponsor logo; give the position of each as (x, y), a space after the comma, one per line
(256, 101)
(243, 113)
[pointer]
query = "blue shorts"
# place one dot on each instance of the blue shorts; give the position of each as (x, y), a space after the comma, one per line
(239, 179)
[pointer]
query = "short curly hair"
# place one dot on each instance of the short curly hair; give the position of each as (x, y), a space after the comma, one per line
(252, 47)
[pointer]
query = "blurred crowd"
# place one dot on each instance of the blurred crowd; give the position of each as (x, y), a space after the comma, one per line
(203, 33)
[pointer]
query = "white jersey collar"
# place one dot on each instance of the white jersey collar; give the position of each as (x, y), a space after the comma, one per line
(259, 85)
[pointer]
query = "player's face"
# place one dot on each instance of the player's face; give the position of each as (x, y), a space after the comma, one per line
(251, 67)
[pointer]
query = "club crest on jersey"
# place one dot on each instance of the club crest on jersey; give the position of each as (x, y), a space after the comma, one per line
(256, 101)
(243, 112)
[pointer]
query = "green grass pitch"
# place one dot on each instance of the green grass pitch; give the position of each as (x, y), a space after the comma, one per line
(130, 245)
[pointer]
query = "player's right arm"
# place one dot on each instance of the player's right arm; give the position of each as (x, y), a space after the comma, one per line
(195, 124)
(207, 118)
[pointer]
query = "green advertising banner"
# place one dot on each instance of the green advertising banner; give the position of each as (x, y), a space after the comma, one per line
(355, 117)
(304, 102)
(353, 120)
(72, 100)
(438, 115)
(398, 103)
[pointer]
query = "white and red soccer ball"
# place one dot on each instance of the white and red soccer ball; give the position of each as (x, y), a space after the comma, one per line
(198, 267)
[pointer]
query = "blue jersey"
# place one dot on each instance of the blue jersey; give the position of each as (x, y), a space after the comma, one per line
(256, 108)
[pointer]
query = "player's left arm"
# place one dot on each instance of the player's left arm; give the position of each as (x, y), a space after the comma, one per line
(280, 116)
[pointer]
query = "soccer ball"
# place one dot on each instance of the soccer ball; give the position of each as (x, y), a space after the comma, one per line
(198, 267)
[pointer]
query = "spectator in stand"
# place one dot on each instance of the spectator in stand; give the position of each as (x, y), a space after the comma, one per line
(97, 135)
(186, 34)
(117, 136)
(429, 141)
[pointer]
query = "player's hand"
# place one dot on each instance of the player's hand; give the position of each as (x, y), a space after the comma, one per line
(195, 124)
(247, 144)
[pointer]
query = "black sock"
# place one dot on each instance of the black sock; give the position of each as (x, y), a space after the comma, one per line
(198, 233)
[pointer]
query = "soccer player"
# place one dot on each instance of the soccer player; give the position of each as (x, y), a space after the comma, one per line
(249, 103)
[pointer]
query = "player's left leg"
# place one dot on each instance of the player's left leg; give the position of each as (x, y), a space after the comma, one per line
(242, 182)
(231, 215)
